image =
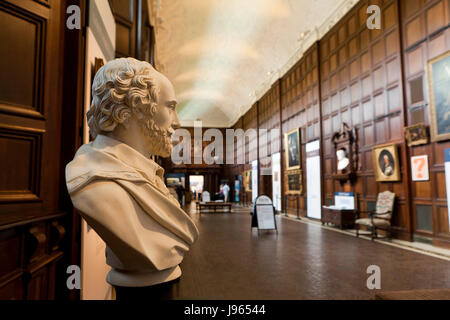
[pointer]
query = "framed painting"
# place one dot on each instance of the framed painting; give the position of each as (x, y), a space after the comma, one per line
(438, 73)
(292, 149)
(416, 135)
(247, 180)
(385, 163)
(293, 181)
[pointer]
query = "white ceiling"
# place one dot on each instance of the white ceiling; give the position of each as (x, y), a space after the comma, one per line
(223, 55)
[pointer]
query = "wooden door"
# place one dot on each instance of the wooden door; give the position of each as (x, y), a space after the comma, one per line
(32, 173)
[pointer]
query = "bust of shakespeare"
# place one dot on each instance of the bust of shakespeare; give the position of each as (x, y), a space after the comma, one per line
(115, 185)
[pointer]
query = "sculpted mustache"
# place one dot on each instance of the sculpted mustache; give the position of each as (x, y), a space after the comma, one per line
(156, 130)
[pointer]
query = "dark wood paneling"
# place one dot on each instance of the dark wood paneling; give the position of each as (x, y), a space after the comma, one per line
(364, 90)
(33, 196)
(375, 81)
(134, 32)
(21, 86)
(20, 181)
(426, 33)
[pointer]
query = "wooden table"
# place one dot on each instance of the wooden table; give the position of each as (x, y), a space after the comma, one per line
(344, 219)
(213, 205)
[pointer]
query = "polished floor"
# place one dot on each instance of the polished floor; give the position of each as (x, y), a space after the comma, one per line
(301, 261)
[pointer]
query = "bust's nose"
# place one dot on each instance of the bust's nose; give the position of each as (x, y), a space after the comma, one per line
(175, 121)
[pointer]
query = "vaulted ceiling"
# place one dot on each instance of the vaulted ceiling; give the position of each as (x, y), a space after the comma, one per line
(223, 55)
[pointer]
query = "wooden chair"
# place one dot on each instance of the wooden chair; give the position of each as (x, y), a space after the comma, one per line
(381, 217)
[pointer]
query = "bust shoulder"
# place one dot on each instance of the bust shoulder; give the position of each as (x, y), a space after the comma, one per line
(100, 197)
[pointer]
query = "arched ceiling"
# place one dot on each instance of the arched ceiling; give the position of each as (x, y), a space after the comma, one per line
(223, 55)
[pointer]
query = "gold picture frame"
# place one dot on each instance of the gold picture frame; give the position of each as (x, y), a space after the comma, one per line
(292, 152)
(247, 180)
(416, 135)
(293, 181)
(386, 163)
(439, 95)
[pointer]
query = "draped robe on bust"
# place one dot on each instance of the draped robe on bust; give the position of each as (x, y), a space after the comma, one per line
(122, 196)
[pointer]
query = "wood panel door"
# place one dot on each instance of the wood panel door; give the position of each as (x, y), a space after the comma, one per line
(31, 229)
(30, 108)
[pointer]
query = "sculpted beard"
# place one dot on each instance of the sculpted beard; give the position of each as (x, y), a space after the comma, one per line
(160, 140)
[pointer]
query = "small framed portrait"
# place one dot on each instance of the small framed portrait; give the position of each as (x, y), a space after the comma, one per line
(292, 149)
(416, 135)
(438, 74)
(293, 181)
(385, 163)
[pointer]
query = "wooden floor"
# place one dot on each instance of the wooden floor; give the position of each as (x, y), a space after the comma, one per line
(302, 261)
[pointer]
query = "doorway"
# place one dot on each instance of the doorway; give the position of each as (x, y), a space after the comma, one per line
(313, 179)
(276, 181)
(196, 183)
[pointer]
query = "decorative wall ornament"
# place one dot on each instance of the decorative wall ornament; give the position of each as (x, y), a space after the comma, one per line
(385, 163)
(346, 153)
(419, 168)
(416, 135)
(438, 74)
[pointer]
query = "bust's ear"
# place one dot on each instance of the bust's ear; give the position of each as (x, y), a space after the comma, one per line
(138, 113)
(126, 123)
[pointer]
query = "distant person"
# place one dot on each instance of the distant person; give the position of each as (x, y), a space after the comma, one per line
(226, 191)
(180, 191)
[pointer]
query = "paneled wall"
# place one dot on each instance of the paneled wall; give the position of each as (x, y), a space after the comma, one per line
(361, 85)
(376, 82)
(268, 141)
(232, 171)
(300, 109)
(134, 34)
(425, 36)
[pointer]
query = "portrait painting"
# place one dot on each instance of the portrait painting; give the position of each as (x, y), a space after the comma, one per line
(292, 149)
(416, 135)
(386, 163)
(438, 73)
(293, 182)
(247, 180)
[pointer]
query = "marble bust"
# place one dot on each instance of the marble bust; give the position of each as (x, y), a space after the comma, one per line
(342, 159)
(115, 185)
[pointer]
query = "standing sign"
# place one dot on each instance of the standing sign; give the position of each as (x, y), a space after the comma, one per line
(264, 214)
(254, 181)
(447, 179)
(313, 201)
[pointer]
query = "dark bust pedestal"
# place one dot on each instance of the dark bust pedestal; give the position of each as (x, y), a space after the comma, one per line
(162, 291)
(344, 219)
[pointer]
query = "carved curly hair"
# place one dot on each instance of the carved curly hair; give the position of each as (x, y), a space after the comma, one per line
(119, 87)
